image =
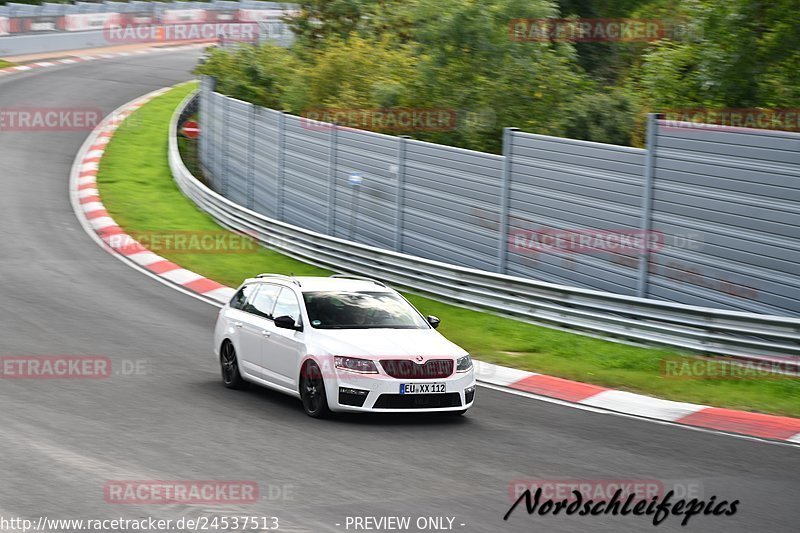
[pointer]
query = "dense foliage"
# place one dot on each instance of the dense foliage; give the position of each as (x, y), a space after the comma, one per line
(458, 54)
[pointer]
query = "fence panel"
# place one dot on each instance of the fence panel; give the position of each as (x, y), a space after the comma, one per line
(237, 149)
(451, 203)
(365, 209)
(266, 161)
(562, 190)
(305, 174)
(735, 195)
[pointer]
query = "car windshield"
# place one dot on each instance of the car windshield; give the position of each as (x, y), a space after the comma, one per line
(361, 310)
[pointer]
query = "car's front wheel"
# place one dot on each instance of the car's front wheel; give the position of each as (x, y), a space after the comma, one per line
(312, 392)
(230, 366)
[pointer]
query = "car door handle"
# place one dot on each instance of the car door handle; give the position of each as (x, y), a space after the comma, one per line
(238, 324)
(265, 333)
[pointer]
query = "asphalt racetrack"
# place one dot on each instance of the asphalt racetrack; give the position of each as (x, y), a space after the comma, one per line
(164, 415)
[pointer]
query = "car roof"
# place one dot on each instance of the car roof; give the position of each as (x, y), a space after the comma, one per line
(320, 283)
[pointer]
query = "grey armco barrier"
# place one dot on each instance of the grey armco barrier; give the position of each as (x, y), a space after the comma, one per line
(746, 335)
(54, 35)
(17, 45)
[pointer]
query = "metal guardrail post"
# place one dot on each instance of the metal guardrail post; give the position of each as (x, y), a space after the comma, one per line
(251, 158)
(505, 195)
(207, 133)
(400, 193)
(218, 126)
(211, 129)
(645, 222)
(281, 164)
(202, 118)
(226, 137)
(332, 179)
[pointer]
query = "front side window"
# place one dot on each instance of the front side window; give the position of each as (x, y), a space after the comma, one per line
(287, 306)
(361, 310)
(263, 301)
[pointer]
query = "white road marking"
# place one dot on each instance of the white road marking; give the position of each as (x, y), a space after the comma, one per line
(145, 258)
(102, 222)
(85, 193)
(93, 206)
(500, 375)
(223, 294)
(638, 404)
(181, 276)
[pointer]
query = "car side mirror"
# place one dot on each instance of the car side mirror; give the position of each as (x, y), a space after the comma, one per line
(433, 321)
(287, 322)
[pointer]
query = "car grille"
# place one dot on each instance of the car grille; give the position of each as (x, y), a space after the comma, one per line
(417, 401)
(405, 369)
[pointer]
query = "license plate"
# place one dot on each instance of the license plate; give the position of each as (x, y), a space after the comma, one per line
(422, 388)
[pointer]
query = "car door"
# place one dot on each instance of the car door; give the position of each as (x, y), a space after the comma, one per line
(286, 347)
(255, 327)
(236, 317)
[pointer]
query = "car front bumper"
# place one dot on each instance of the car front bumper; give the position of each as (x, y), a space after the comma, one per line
(379, 393)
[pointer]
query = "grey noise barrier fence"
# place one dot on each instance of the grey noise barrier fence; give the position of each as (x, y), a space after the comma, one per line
(444, 220)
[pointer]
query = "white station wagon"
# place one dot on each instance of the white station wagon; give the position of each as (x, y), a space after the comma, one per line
(342, 343)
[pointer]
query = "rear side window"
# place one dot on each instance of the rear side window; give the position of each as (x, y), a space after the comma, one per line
(263, 301)
(238, 300)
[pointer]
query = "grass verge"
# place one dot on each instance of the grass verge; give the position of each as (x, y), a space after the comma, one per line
(4, 63)
(138, 191)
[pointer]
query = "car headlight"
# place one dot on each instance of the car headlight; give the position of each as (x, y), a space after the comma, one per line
(463, 363)
(354, 364)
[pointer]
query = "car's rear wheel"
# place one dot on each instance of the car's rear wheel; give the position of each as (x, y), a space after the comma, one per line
(312, 392)
(229, 366)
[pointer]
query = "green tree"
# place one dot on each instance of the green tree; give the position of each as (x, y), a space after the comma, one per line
(354, 73)
(744, 53)
(261, 75)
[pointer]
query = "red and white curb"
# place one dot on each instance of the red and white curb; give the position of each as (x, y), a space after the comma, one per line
(93, 215)
(725, 420)
(95, 218)
(73, 59)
